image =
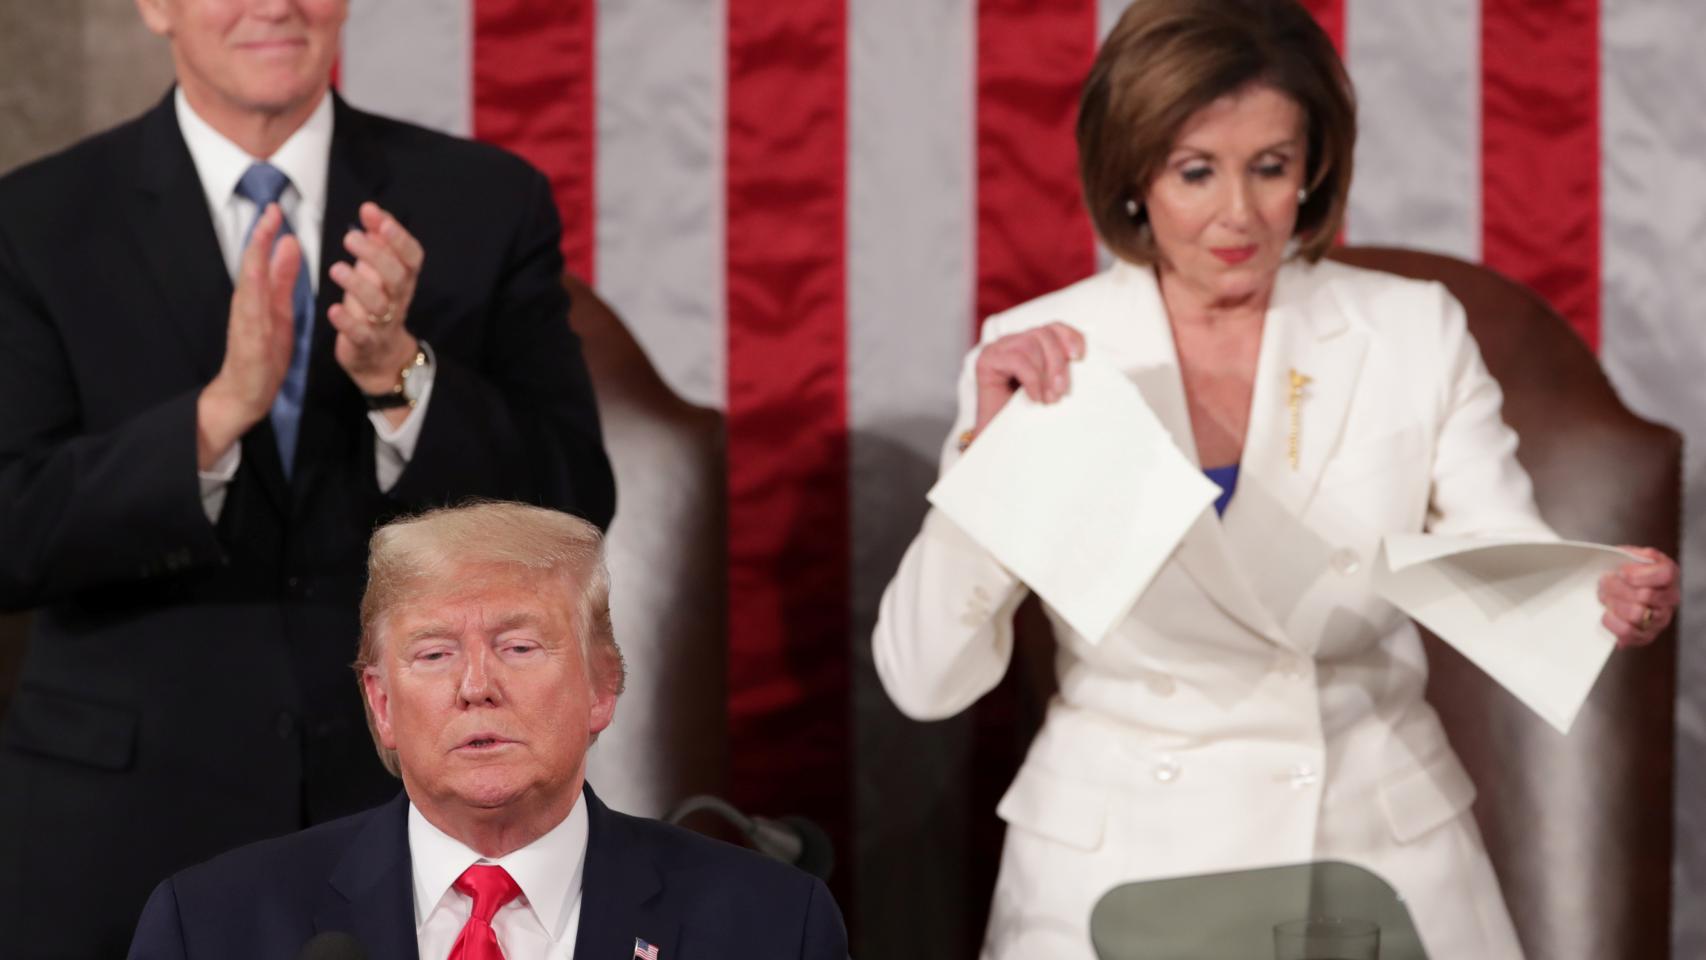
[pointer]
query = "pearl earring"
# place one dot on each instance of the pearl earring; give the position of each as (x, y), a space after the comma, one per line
(1302, 196)
(1131, 207)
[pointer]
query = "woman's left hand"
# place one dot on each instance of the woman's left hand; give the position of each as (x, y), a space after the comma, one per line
(1640, 598)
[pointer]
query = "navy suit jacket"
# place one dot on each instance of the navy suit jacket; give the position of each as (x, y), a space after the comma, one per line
(692, 897)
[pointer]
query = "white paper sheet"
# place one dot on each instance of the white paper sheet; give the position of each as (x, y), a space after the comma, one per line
(1082, 499)
(1526, 612)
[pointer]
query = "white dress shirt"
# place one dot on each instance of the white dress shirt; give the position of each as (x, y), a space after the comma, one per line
(303, 158)
(540, 923)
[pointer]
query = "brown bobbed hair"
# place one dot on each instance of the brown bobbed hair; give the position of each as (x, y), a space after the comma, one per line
(1167, 59)
(461, 547)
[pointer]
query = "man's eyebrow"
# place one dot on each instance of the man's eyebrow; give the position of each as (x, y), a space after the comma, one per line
(428, 631)
(441, 629)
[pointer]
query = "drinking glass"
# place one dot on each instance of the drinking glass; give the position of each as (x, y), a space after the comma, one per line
(1327, 938)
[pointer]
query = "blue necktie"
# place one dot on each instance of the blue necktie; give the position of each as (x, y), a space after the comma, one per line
(264, 183)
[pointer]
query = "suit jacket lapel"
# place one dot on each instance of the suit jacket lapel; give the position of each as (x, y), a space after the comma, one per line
(174, 231)
(621, 891)
(370, 894)
(356, 172)
(1308, 335)
(1138, 339)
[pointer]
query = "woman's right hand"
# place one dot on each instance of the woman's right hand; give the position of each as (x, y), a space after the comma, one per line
(1033, 360)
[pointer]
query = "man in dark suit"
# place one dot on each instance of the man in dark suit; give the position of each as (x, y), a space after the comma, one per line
(489, 666)
(199, 428)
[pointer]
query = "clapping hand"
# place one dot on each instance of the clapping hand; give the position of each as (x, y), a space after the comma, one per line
(259, 339)
(374, 343)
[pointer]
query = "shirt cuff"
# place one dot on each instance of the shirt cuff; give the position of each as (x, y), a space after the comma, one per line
(394, 447)
(215, 479)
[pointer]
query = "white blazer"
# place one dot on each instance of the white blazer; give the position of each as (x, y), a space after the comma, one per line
(1260, 705)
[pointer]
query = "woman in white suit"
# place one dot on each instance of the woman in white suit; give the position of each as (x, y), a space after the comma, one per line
(1260, 705)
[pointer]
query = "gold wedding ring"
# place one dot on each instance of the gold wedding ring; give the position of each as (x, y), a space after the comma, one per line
(1646, 618)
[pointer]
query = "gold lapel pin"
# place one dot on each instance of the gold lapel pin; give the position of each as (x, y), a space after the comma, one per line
(1294, 406)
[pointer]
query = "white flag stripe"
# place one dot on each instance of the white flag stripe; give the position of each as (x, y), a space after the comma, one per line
(1417, 72)
(1107, 14)
(662, 77)
(911, 233)
(1653, 335)
(411, 59)
(910, 281)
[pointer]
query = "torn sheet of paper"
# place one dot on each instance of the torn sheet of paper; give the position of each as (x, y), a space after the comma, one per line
(1526, 612)
(1082, 499)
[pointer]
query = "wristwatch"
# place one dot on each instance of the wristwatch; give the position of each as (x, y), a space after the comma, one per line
(409, 386)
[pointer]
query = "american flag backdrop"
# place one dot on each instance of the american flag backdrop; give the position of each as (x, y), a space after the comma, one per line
(802, 207)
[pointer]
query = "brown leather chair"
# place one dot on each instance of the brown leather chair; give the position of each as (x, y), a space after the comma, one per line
(1579, 828)
(666, 556)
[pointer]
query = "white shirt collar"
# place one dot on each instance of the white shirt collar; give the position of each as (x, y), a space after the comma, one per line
(220, 163)
(548, 870)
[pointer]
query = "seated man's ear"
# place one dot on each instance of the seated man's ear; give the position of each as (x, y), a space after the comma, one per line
(603, 710)
(157, 15)
(379, 705)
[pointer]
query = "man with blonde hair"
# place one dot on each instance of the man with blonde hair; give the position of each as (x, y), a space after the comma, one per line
(488, 666)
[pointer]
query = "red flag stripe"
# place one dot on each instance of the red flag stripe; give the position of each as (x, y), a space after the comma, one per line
(788, 537)
(1033, 234)
(534, 94)
(1330, 14)
(1540, 151)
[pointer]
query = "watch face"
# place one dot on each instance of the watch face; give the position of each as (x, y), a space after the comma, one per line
(413, 383)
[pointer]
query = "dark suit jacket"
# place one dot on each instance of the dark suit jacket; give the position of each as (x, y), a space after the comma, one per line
(187, 686)
(692, 897)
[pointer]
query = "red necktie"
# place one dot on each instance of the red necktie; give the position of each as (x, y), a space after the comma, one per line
(491, 887)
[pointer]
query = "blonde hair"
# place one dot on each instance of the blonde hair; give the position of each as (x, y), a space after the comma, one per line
(412, 554)
(1164, 61)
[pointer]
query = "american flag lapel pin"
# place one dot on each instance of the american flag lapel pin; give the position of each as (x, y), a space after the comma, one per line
(644, 950)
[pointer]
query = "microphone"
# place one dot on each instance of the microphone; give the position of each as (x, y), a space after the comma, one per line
(793, 840)
(333, 945)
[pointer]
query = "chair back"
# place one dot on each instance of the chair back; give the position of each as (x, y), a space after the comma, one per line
(665, 551)
(1580, 827)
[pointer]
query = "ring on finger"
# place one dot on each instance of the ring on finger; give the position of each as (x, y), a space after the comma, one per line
(384, 319)
(1646, 618)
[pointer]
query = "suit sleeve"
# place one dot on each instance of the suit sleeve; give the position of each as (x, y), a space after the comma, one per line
(519, 423)
(944, 631)
(1478, 487)
(825, 935)
(81, 508)
(160, 933)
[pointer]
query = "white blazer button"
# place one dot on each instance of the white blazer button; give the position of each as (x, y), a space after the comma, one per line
(1345, 561)
(1166, 771)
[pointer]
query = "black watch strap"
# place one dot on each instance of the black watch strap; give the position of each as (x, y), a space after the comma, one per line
(386, 401)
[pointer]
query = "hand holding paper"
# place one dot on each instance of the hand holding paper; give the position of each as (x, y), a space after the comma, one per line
(1526, 612)
(1641, 598)
(1083, 499)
